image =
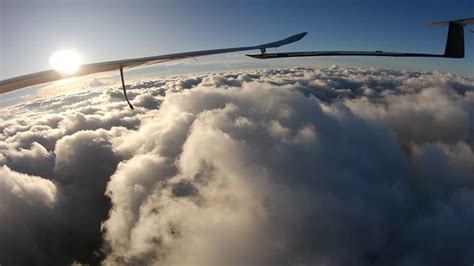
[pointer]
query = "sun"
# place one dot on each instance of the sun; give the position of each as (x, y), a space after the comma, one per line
(65, 61)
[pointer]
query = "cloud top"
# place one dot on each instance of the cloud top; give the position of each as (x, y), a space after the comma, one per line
(304, 166)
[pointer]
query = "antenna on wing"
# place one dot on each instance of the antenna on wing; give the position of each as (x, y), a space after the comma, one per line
(123, 87)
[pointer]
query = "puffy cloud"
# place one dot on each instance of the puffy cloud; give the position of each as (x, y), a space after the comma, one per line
(84, 163)
(35, 161)
(248, 181)
(25, 190)
(26, 206)
(147, 101)
(304, 166)
(97, 83)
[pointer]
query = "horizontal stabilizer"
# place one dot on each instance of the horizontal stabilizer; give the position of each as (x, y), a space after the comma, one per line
(463, 22)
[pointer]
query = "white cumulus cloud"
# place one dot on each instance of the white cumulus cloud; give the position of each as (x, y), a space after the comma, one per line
(333, 166)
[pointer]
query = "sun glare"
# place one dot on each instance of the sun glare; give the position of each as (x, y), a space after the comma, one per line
(66, 61)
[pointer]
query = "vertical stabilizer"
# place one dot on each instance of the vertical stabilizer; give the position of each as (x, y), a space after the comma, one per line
(455, 41)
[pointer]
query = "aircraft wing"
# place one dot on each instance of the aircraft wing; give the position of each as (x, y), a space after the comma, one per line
(454, 46)
(341, 53)
(52, 75)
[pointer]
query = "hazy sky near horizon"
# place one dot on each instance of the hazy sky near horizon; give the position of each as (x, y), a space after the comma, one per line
(31, 30)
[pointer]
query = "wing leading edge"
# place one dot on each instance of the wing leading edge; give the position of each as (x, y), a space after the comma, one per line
(454, 46)
(52, 75)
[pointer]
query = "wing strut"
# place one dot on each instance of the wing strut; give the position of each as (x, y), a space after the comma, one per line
(123, 87)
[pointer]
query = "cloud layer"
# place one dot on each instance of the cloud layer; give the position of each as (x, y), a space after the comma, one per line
(300, 166)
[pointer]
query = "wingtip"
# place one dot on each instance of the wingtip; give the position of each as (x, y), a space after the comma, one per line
(301, 35)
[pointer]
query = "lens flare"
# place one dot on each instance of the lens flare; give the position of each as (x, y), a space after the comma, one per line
(65, 61)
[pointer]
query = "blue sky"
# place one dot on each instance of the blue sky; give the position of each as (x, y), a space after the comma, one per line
(107, 30)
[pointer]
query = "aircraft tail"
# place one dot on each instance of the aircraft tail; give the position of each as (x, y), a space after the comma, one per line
(455, 41)
(454, 45)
